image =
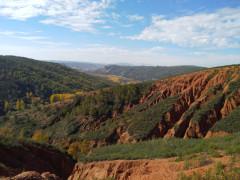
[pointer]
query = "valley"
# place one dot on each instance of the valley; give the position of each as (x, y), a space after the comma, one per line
(139, 121)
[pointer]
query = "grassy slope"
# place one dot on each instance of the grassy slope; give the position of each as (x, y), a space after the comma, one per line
(164, 148)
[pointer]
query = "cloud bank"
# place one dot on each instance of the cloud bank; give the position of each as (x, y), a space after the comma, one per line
(78, 15)
(220, 29)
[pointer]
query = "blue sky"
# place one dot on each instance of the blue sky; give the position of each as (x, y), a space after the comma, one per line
(149, 32)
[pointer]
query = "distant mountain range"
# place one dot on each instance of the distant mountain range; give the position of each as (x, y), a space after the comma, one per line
(135, 73)
(144, 73)
(82, 66)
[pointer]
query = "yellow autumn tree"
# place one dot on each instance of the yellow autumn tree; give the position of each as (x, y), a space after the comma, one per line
(20, 105)
(39, 136)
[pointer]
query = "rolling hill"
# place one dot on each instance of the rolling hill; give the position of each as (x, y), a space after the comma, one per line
(19, 76)
(144, 73)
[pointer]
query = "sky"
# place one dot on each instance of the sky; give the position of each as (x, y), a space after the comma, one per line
(139, 32)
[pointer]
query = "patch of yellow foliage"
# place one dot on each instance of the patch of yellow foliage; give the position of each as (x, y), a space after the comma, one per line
(39, 136)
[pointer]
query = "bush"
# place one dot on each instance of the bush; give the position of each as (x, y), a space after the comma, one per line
(79, 148)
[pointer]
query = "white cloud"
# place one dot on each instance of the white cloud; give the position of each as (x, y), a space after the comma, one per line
(220, 29)
(21, 35)
(135, 17)
(106, 27)
(37, 39)
(78, 15)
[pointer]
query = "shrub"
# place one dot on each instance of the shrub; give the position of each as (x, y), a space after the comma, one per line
(78, 148)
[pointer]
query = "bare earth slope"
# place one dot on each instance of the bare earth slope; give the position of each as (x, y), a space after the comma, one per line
(158, 169)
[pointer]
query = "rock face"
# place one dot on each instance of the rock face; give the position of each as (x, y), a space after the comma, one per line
(34, 157)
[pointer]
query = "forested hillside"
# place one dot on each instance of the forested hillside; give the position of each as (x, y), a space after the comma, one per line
(143, 73)
(21, 77)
